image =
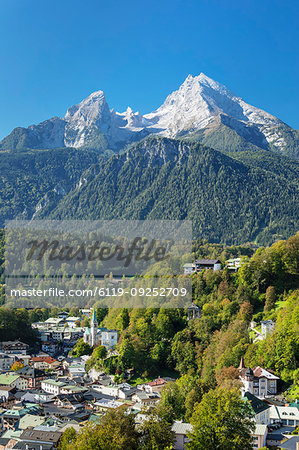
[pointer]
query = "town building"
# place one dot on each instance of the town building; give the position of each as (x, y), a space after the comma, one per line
(267, 327)
(99, 336)
(155, 385)
(258, 381)
(233, 264)
(14, 347)
(52, 386)
(13, 379)
(189, 268)
(72, 322)
(259, 436)
(193, 311)
(44, 362)
(6, 361)
(286, 415)
(181, 431)
(260, 408)
(32, 375)
(50, 347)
(43, 439)
(207, 264)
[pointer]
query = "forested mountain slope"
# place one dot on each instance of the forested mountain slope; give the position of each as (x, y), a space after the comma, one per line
(227, 200)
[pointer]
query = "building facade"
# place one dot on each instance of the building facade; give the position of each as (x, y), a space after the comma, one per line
(99, 336)
(258, 381)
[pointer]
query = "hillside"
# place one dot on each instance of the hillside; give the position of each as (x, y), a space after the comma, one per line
(28, 176)
(229, 201)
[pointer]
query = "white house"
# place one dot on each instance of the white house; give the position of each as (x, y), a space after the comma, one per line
(52, 386)
(76, 369)
(53, 321)
(260, 408)
(233, 264)
(258, 381)
(207, 264)
(109, 338)
(14, 347)
(13, 380)
(72, 321)
(86, 312)
(288, 415)
(267, 327)
(189, 268)
(50, 347)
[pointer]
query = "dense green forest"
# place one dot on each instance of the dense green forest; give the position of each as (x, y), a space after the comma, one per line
(228, 201)
(38, 175)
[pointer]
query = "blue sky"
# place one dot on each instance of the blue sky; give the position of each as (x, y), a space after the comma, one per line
(55, 53)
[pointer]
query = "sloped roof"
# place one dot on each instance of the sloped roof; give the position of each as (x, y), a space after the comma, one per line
(207, 261)
(30, 420)
(181, 427)
(32, 372)
(257, 405)
(46, 359)
(260, 429)
(8, 378)
(260, 372)
(290, 444)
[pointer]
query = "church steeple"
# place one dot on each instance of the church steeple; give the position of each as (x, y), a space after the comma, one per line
(93, 317)
(242, 365)
(93, 328)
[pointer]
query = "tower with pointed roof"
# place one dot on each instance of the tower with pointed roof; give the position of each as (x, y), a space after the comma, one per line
(93, 328)
(242, 365)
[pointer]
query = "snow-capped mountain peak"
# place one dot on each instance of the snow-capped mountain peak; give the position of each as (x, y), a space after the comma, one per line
(197, 104)
(82, 119)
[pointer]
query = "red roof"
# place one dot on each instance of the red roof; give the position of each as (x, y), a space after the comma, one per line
(157, 382)
(258, 372)
(46, 359)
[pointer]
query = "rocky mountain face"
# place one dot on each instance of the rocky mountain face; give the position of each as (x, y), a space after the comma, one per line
(200, 106)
